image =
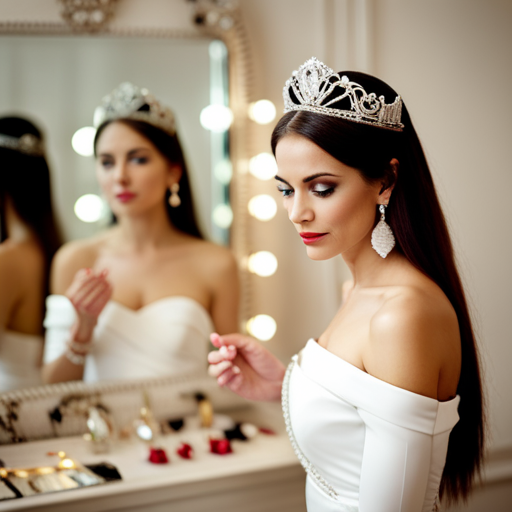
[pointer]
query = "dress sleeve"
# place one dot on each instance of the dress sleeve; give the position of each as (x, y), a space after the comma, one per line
(60, 316)
(395, 468)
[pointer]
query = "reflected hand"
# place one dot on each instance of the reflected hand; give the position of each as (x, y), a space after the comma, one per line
(246, 367)
(89, 293)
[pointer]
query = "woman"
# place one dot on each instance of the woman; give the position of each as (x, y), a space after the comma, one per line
(29, 238)
(140, 299)
(372, 406)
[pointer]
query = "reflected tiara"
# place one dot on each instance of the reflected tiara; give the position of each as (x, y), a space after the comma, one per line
(28, 144)
(125, 101)
(314, 82)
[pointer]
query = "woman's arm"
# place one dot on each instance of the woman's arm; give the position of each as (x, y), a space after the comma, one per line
(414, 345)
(88, 292)
(8, 286)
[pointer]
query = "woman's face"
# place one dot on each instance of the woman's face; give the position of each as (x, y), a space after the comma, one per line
(132, 173)
(329, 203)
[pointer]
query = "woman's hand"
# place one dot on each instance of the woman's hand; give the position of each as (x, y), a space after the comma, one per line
(246, 367)
(89, 293)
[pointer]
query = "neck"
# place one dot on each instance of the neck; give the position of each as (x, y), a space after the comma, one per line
(149, 230)
(368, 269)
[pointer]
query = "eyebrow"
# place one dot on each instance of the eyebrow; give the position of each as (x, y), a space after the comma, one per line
(130, 153)
(309, 178)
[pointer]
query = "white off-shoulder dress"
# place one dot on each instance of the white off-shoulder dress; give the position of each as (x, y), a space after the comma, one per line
(166, 337)
(367, 446)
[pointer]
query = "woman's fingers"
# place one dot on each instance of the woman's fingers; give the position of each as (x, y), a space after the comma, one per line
(231, 378)
(224, 353)
(215, 370)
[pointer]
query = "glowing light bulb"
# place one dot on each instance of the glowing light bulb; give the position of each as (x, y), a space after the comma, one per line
(89, 208)
(223, 171)
(263, 207)
(83, 141)
(222, 216)
(262, 327)
(263, 166)
(262, 263)
(262, 111)
(217, 118)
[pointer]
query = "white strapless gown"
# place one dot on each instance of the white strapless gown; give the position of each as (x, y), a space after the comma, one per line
(167, 337)
(367, 446)
(20, 360)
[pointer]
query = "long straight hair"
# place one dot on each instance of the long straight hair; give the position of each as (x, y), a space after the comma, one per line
(183, 217)
(421, 234)
(25, 181)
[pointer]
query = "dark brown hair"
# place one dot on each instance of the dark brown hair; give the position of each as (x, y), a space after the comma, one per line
(421, 233)
(183, 217)
(25, 180)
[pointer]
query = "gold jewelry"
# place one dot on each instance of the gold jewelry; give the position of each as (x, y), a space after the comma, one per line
(174, 198)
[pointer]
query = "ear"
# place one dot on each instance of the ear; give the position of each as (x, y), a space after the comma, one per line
(388, 184)
(175, 173)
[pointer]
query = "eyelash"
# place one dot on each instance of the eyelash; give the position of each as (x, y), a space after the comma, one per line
(287, 192)
(140, 160)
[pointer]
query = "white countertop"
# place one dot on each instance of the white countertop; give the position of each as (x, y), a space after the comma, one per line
(261, 456)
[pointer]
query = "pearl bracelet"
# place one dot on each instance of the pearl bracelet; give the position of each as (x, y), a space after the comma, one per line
(78, 359)
(79, 348)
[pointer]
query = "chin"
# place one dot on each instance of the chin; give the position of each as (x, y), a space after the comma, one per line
(320, 254)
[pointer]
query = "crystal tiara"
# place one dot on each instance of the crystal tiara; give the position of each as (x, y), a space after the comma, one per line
(314, 82)
(125, 101)
(29, 144)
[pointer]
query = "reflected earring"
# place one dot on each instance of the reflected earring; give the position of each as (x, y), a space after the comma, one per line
(174, 198)
(382, 236)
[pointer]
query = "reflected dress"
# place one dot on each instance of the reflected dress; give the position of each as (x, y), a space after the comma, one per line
(169, 336)
(367, 446)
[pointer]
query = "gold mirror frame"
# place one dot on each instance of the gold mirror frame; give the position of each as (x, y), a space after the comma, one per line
(212, 19)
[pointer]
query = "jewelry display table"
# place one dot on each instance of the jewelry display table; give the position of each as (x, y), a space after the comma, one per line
(261, 474)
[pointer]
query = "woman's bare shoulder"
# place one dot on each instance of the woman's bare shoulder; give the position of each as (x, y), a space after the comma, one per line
(20, 257)
(411, 336)
(71, 257)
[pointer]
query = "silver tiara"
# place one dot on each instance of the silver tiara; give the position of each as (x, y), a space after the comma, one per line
(314, 82)
(125, 101)
(29, 144)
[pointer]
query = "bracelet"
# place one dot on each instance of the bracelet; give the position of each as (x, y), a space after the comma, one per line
(78, 348)
(77, 359)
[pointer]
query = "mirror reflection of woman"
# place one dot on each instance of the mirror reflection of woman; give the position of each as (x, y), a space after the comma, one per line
(29, 237)
(140, 299)
(385, 409)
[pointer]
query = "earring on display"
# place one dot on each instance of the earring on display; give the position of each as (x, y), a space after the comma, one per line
(382, 236)
(174, 198)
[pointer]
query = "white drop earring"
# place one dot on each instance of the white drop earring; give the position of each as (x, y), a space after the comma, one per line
(382, 236)
(174, 198)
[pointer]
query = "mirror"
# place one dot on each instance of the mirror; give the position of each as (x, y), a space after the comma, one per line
(59, 86)
(57, 78)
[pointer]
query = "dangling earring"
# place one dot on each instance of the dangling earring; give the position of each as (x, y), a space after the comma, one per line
(382, 236)
(174, 198)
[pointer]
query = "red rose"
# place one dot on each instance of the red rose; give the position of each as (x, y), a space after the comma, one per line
(158, 456)
(220, 446)
(184, 451)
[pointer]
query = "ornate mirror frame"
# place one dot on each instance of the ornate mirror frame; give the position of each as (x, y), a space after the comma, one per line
(212, 19)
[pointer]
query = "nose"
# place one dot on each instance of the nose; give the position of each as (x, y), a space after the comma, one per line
(121, 174)
(300, 210)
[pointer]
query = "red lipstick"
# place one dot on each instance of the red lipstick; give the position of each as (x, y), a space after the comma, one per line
(126, 196)
(311, 238)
